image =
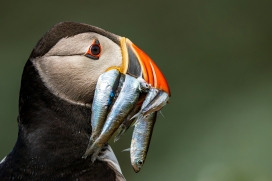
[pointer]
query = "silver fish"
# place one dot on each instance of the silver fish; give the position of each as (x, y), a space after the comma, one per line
(141, 139)
(125, 102)
(156, 104)
(144, 86)
(126, 123)
(104, 92)
(118, 89)
(149, 97)
(131, 117)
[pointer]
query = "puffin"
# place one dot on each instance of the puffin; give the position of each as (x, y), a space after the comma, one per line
(56, 94)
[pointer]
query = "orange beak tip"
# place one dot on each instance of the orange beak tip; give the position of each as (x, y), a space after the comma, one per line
(150, 71)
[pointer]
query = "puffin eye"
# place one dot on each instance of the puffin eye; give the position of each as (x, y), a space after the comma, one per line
(94, 50)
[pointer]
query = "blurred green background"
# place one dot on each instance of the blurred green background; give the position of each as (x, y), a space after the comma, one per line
(217, 57)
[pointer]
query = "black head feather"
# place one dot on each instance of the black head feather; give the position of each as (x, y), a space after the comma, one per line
(66, 29)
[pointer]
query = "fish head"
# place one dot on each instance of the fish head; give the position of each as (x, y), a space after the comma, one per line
(137, 164)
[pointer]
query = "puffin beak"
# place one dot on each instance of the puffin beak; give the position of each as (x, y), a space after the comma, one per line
(138, 64)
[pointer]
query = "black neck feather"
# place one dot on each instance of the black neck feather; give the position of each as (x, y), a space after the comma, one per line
(53, 136)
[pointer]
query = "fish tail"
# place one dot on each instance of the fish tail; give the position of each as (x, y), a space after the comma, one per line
(162, 114)
(137, 120)
(136, 115)
(128, 149)
(93, 150)
(91, 141)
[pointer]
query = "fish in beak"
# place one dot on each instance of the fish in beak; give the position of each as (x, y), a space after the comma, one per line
(136, 76)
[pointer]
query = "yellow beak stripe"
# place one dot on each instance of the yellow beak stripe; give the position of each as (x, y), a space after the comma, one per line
(124, 51)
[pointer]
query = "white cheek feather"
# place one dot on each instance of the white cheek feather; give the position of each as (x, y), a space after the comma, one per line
(73, 77)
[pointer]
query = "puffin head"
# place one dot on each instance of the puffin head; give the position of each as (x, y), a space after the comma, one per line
(56, 94)
(71, 56)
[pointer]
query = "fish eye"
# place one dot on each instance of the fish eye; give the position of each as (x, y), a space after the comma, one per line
(139, 162)
(94, 50)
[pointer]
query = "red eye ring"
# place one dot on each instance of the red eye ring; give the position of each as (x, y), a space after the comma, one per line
(94, 50)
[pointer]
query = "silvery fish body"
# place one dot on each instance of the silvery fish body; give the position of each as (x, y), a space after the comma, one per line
(141, 139)
(125, 102)
(104, 92)
(149, 97)
(152, 92)
(126, 123)
(118, 89)
(156, 104)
